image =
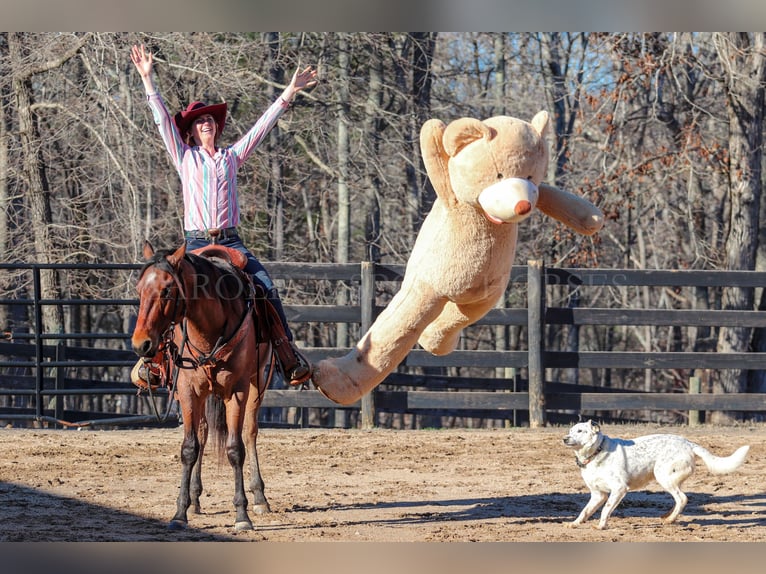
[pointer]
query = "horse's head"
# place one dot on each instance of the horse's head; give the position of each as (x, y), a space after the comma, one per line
(161, 298)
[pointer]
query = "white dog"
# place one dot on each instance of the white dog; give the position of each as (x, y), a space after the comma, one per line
(612, 466)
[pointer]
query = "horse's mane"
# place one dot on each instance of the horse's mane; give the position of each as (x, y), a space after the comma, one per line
(159, 259)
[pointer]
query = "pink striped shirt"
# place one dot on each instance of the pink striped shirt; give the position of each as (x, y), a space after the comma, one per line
(210, 183)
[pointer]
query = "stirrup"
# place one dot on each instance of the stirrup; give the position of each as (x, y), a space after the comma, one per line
(143, 376)
(301, 371)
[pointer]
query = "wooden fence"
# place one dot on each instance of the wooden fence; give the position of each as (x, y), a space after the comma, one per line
(501, 397)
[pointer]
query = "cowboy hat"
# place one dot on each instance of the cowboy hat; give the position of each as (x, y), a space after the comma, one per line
(184, 118)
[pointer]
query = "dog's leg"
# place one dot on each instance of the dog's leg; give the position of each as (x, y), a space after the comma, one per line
(615, 497)
(597, 498)
(671, 477)
(681, 501)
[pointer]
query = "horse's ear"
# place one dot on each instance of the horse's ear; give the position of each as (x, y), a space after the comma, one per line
(177, 255)
(148, 250)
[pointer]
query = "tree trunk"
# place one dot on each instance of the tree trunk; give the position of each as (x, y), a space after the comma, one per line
(276, 199)
(344, 201)
(556, 63)
(564, 104)
(743, 59)
(372, 130)
(344, 150)
(423, 44)
(500, 84)
(34, 170)
(5, 206)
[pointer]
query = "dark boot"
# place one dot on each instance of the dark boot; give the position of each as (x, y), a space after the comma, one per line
(295, 367)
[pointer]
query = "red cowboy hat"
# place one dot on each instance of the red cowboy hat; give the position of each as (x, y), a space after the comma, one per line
(184, 118)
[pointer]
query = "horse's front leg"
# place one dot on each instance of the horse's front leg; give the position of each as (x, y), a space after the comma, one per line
(235, 452)
(250, 436)
(260, 503)
(196, 478)
(189, 455)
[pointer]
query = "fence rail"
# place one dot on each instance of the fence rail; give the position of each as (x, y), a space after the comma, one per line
(34, 363)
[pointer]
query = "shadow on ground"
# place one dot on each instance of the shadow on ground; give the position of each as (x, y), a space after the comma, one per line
(702, 508)
(53, 518)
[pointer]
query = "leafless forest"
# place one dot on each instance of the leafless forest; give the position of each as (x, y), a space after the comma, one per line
(663, 131)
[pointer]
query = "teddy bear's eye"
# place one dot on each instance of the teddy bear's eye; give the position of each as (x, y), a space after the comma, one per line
(529, 177)
(499, 176)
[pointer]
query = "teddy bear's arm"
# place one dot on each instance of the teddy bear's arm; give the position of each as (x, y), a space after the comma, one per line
(573, 211)
(435, 158)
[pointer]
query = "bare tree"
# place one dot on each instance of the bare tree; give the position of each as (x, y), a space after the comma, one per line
(743, 59)
(24, 67)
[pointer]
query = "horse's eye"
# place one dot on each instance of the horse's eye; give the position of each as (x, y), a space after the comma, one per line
(165, 294)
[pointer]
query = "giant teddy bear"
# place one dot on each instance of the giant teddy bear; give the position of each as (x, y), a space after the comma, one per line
(488, 177)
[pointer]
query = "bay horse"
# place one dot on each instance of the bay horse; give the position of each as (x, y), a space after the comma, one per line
(198, 310)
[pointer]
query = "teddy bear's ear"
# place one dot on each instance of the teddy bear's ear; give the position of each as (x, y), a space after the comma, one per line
(463, 131)
(541, 122)
(435, 158)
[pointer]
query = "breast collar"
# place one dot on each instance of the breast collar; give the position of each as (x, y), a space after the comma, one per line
(587, 461)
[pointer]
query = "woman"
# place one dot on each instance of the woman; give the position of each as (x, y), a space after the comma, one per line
(209, 183)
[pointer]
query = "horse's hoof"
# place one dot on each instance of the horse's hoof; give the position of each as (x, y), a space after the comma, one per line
(243, 525)
(261, 508)
(177, 525)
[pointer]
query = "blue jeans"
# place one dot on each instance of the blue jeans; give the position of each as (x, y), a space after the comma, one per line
(255, 268)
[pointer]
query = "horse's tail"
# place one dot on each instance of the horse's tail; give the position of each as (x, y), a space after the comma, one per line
(215, 412)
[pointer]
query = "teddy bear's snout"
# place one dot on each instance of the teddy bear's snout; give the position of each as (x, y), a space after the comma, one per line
(509, 201)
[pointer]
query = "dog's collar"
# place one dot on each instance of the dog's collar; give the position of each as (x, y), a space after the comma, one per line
(585, 462)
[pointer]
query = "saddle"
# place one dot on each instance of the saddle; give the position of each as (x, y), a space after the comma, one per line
(232, 256)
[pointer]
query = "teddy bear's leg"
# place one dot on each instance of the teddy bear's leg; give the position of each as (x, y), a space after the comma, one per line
(393, 334)
(442, 335)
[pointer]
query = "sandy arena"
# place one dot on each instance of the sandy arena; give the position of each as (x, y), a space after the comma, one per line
(512, 485)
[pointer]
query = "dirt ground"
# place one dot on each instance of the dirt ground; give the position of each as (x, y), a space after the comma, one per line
(506, 485)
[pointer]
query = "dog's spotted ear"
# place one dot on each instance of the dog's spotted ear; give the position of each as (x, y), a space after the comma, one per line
(594, 426)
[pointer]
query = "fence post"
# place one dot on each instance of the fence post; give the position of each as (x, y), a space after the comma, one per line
(535, 319)
(60, 384)
(367, 307)
(38, 311)
(695, 386)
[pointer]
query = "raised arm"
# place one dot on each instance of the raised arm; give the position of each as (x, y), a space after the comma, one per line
(301, 80)
(144, 63)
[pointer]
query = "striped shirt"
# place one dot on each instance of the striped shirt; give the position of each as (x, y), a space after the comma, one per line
(210, 183)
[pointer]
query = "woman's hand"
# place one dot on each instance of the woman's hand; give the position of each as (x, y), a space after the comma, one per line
(142, 59)
(304, 79)
(301, 80)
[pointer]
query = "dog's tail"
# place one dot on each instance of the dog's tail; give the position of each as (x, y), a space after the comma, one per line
(721, 464)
